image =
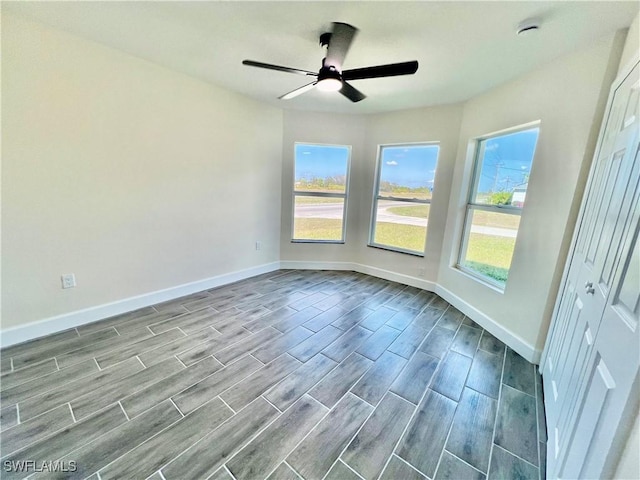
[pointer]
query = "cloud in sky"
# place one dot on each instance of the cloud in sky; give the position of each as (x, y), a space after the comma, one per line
(392, 162)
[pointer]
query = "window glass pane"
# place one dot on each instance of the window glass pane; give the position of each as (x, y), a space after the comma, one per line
(401, 225)
(491, 240)
(318, 218)
(321, 168)
(504, 167)
(408, 171)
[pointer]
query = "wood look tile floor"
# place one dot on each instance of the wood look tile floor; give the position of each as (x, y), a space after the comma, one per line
(288, 375)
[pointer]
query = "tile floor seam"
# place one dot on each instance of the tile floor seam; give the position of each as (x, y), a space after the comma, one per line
(495, 423)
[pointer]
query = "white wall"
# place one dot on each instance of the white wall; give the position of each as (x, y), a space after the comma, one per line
(568, 97)
(134, 177)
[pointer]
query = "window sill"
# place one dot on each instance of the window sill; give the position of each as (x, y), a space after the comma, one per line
(396, 250)
(480, 279)
(338, 242)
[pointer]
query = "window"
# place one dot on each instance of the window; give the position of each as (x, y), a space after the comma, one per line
(497, 195)
(402, 197)
(321, 180)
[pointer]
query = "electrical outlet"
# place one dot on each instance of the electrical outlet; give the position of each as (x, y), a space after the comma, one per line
(422, 272)
(68, 280)
(258, 245)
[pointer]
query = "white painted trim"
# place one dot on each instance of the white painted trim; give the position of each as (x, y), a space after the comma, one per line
(23, 333)
(526, 350)
(59, 323)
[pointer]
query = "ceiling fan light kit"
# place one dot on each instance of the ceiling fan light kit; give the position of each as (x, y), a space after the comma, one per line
(331, 77)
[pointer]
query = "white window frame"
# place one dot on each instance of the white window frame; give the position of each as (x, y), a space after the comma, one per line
(344, 195)
(471, 205)
(377, 197)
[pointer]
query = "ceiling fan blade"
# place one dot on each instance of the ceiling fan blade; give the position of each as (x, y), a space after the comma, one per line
(339, 44)
(390, 70)
(298, 91)
(279, 68)
(352, 93)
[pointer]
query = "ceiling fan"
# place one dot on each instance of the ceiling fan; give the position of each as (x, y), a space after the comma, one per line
(331, 76)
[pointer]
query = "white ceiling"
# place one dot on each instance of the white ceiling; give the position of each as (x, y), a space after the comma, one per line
(464, 48)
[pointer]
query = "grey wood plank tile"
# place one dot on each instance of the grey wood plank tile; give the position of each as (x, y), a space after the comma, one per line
(485, 373)
(283, 472)
(427, 318)
(265, 452)
(297, 319)
(117, 320)
(308, 301)
(212, 345)
(322, 320)
(338, 382)
(8, 417)
(402, 298)
(90, 351)
(48, 382)
(104, 395)
(274, 302)
(157, 355)
(466, 340)
(378, 318)
(320, 449)
(471, 435)
(201, 392)
(217, 303)
(123, 353)
(408, 341)
(26, 374)
(171, 304)
(119, 441)
(437, 342)
(452, 468)
(402, 319)
(415, 378)
(156, 452)
(13, 439)
(543, 461)
(347, 343)
(68, 439)
(289, 390)
(518, 373)
(398, 469)
(269, 319)
(220, 474)
(35, 344)
(467, 321)
(377, 343)
(316, 343)
(163, 389)
(421, 300)
(139, 323)
(516, 428)
(66, 392)
(331, 301)
(491, 344)
(373, 385)
(353, 301)
(201, 318)
(246, 345)
(259, 382)
(236, 318)
(340, 471)
(506, 465)
(424, 439)
(208, 454)
(44, 353)
(451, 318)
(5, 363)
(378, 300)
(352, 318)
(439, 302)
(277, 346)
(542, 422)
(368, 452)
(452, 375)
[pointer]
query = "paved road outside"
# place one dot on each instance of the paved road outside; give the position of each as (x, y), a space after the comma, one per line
(334, 211)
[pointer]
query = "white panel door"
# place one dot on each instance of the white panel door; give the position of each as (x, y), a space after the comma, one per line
(581, 376)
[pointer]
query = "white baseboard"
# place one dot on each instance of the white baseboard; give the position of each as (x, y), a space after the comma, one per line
(59, 323)
(514, 342)
(23, 333)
